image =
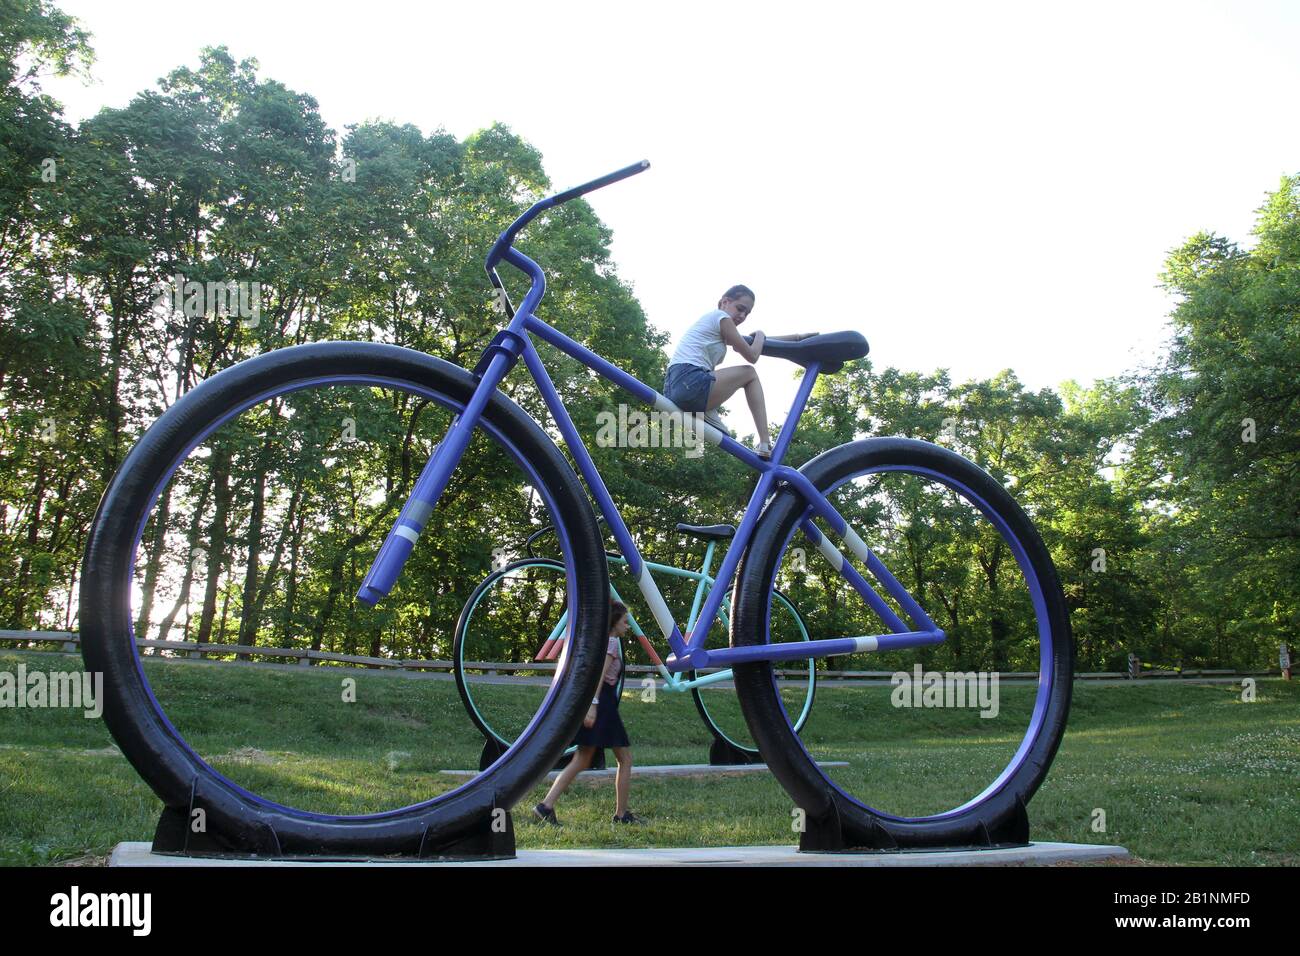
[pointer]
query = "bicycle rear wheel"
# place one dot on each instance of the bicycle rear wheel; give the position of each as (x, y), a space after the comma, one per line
(244, 518)
(949, 744)
(516, 614)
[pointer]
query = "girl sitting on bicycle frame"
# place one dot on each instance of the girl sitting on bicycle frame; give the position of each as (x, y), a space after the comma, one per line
(692, 384)
(602, 727)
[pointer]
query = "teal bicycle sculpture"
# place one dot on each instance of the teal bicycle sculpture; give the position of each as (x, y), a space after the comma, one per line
(906, 530)
(516, 622)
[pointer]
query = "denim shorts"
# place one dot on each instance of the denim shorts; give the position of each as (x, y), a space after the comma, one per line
(687, 387)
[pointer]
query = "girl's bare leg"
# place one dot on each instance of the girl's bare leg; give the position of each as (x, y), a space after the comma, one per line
(728, 380)
(580, 762)
(622, 780)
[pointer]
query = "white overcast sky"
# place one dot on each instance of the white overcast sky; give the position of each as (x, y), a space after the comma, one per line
(974, 186)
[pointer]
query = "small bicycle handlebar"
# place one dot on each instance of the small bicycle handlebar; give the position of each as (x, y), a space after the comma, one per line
(528, 545)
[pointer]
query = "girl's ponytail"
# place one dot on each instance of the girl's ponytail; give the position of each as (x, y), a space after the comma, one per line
(735, 292)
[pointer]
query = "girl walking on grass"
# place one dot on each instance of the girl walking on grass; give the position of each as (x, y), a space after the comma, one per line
(601, 728)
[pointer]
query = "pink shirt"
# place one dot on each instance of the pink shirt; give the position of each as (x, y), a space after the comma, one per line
(615, 651)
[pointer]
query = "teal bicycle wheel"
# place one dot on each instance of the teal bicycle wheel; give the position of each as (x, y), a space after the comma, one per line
(500, 654)
(796, 681)
(507, 644)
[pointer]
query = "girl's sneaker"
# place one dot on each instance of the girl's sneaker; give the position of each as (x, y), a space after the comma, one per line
(629, 817)
(764, 451)
(545, 814)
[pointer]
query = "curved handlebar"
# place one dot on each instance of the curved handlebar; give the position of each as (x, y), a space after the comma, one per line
(506, 238)
(528, 545)
(606, 180)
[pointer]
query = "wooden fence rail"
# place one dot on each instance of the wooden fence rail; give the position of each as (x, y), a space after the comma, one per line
(70, 643)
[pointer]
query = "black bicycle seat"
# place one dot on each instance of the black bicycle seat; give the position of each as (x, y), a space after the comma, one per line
(716, 531)
(831, 350)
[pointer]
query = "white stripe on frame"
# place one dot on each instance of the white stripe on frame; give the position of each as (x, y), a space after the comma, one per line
(692, 420)
(856, 544)
(650, 591)
(830, 552)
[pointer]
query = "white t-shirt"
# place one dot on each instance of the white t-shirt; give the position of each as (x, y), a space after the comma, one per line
(702, 344)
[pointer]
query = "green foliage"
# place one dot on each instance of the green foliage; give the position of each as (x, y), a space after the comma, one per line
(222, 175)
(1222, 453)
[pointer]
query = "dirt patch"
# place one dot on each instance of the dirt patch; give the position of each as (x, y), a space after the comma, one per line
(248, 755)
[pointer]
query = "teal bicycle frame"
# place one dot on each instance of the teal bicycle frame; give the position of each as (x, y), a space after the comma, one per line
(672, 681)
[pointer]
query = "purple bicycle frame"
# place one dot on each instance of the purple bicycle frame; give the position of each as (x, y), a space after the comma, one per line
(515, 342)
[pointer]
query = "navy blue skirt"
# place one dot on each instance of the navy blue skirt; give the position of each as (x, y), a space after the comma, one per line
(608, 730)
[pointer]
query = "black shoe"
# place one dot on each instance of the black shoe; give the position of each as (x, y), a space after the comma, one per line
(629, 817)
(545, 814)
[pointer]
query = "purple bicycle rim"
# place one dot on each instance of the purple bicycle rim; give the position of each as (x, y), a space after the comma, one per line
(1044, 657)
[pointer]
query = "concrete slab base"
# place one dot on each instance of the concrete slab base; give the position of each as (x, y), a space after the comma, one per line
(1036, 854)
(667, 770)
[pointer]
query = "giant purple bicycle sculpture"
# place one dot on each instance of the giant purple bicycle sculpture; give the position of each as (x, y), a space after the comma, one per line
(883, 483)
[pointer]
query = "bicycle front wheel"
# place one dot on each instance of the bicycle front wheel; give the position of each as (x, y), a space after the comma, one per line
(937, 745)
(240, 527)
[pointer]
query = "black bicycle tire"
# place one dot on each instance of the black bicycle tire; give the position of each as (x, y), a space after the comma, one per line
(797, 772)
(807, 710)
(159, 755)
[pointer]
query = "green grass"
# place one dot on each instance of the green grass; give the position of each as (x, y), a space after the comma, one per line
(1185, 774)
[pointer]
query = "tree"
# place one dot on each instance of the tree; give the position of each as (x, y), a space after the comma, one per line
(1226, 402)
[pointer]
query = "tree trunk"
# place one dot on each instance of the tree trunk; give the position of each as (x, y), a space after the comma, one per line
(291, 584)
(273, 569)
(192, 539)
(248, 621)
(157, 546)
(33, 536)
(216, 541)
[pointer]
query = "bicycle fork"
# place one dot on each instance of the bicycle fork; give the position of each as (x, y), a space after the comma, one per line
(429, 487)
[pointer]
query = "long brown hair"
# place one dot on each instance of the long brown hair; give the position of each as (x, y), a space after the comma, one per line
(616, 610)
